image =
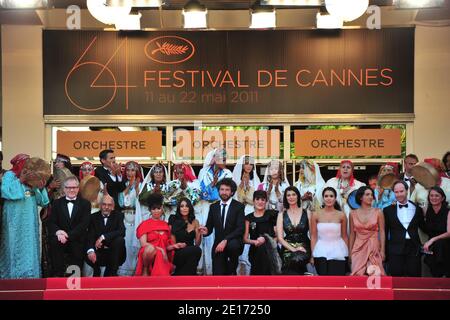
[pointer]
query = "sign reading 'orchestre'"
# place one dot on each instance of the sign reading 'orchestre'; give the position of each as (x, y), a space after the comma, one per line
(358, 142)
(124, 144)
(256, 143)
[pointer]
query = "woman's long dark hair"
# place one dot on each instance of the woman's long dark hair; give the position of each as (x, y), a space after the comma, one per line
(247, 161)
(336, 204)
(299, 198)
(191, 215)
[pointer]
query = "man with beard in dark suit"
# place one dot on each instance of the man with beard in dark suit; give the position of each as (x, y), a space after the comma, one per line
(106, 243)
(226, 217)
(110, 175)
(67, 226)
(402, 223)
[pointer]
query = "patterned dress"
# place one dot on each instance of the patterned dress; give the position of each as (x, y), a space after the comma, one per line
(20, 254)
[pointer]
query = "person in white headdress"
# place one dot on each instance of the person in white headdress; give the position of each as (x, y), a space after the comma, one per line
(274, 183)
(310, 185)
(247, 181)
(246, 178)
(344, 183)
(129, 201)
(184, 185)
(155, 181)
(214, 169)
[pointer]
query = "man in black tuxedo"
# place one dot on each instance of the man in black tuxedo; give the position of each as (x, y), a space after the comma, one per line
(106, 243)
(110, 175)
(226, 217)
(402, 222)
(67, 227)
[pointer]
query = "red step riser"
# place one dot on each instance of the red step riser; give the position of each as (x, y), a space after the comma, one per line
(421, 283)
(23, 284)
(222, 287)
(39, 295)
(214, 282)
(421, 295)
(222, 294)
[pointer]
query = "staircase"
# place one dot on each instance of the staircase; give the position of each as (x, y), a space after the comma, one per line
(226, 287)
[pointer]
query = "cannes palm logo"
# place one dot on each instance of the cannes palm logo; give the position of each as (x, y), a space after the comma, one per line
(169, 49)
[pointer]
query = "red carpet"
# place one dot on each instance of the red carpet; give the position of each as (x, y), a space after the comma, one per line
(235, 288)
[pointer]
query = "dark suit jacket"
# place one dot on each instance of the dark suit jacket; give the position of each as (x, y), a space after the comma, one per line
(114, 228)
(396, 232)
(234, 224)
(114, 187)
(75, 226)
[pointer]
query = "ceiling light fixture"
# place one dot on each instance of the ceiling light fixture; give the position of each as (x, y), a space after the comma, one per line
(194, 14)
(348, 10)
(328, 21)
(130, 22)
(306, 3)
(418, 4)
(23, 4)
(107, 14)
(135, 3)
(262, 16)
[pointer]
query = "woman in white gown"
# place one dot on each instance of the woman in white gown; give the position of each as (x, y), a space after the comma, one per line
(128, 200)
(274, 183)
(310, 184)
(246, 178)
(329, 239)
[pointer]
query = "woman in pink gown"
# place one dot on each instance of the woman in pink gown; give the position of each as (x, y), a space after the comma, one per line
(157, 249)
(367, 236)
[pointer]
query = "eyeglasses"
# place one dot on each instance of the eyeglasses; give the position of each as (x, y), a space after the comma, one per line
(72, 188)
(107, 204)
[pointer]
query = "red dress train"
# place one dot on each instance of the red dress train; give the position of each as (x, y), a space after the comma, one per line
(158, 234)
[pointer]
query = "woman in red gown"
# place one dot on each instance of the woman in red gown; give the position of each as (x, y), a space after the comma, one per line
(157, 249)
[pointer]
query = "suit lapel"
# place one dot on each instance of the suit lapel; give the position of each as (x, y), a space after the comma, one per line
(100, 223)
(415, 217)
(65, 210)
(75, 209)
(396, 217)
(219, 214)
(109, 221)
(230, 212)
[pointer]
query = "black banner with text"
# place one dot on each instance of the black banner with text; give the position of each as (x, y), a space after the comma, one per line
(229, 72)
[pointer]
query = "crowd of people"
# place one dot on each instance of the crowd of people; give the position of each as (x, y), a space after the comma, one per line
(113, 221)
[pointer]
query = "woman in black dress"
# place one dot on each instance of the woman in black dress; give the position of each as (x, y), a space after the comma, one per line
(437, 226)
(257, 224)
(185, 230)
(292, 233)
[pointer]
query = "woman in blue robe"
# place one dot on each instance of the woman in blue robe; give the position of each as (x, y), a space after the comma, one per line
(20, 254)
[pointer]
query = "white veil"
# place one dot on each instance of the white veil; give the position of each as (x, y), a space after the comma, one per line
(267, 174)
(318, 181)
(148, 177)
(237, 173)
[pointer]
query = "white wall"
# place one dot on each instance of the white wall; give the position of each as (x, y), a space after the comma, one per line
(22, 121)
(431, 128)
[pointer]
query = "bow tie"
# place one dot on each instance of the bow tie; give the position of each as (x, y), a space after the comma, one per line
(403, 206)
(407, 179)
(105, 216)
(71, 201)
